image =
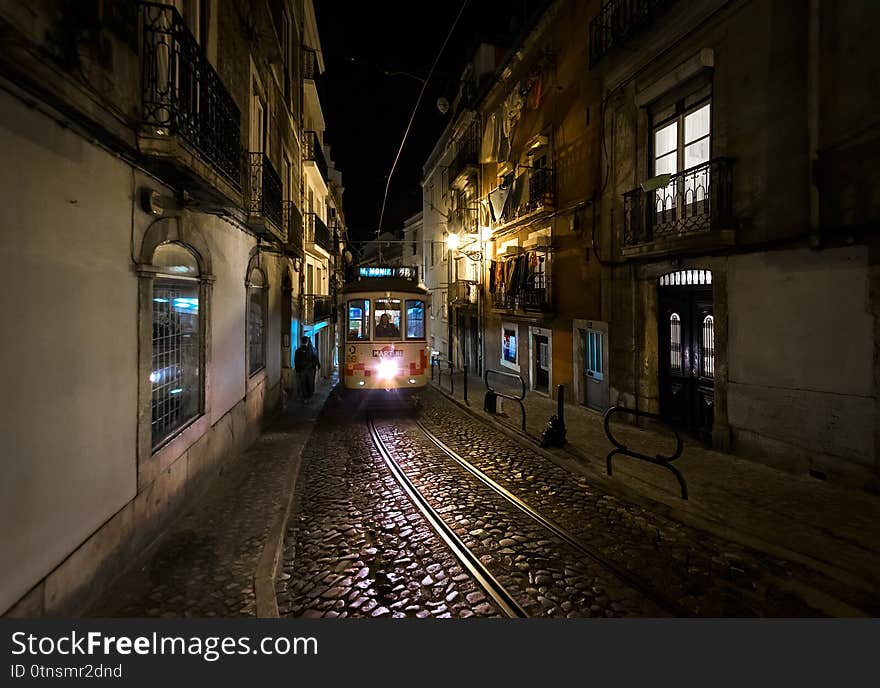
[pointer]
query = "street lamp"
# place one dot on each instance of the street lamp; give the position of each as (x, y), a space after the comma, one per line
(452, 241)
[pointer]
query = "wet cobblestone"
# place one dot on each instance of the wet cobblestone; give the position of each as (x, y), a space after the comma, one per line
(356, 546)
(706, 574)
(541, 571)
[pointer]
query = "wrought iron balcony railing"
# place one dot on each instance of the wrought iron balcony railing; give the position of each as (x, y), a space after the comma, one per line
(310, 64)
(617, 21)
(466, 154)
(313, 151)
(264, 190)
(696, 200)
(316, 307)
(532, 191)
(530, 298)
(316, 232)
(183, 95)
(463, 292)
(293, 228)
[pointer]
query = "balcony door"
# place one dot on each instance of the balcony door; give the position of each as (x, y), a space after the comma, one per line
(687, 351)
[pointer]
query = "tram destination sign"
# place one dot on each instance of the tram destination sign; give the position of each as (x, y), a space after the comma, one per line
(387, 271)
(387, 353)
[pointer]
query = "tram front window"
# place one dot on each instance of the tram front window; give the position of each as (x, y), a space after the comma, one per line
(415, 319)
(387, 317)
(358, 319)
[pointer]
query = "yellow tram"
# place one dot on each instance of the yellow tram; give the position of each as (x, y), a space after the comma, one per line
(385, 331)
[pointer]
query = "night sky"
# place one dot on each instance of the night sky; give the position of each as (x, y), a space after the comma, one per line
(366, 111)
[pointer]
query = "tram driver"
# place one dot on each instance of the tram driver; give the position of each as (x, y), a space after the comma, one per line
(386, 328)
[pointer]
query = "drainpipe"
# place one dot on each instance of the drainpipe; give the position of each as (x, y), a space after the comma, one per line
(813, 116)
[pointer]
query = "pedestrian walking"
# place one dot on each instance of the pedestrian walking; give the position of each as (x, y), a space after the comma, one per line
(306, 364)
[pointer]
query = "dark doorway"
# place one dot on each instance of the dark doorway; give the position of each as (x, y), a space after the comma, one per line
(687, 355)
(542, 364)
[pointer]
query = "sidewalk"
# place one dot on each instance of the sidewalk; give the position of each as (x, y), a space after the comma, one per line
(795, 516)
(219, 558)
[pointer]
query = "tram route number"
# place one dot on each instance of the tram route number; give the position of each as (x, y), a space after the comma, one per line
(387, 353)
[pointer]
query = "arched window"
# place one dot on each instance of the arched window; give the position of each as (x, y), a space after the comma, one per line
(256, 320)
(675, 343)
(175, 374)
(708, 349)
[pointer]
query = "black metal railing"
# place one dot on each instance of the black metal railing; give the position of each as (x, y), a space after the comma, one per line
(183, 95)
(529, 298)
(532, 191)
(264, 189)
(695, 200)
(490, 403)
(619, 20)
(316, 232)
(313, 151)
(310, 64)
(316, 307)
(293, 228)
(466, 153)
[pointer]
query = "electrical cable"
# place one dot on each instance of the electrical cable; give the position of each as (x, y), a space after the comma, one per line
(413, 115)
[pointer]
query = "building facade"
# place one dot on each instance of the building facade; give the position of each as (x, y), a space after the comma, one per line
(155, 216)
(738, 226)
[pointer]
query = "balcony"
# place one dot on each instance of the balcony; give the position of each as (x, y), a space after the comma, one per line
(466, 160)
(310, 64)
(463, 293)
(191, 127)
(315, 308)
(532, 192)
(618, 21)
(316, 233)
(264, 197)
(293, 229)
(693, 212)
(313, 152)
(533, 298)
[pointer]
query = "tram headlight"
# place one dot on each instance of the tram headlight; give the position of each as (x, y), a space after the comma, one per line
(387, 369)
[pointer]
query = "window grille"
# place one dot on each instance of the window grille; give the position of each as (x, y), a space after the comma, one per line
(176, 359)
(708, 349)
(675, 343)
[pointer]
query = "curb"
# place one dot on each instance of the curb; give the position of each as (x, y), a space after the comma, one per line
(269, 563)
(575, 465)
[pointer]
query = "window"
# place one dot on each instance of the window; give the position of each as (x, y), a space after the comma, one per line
(175, 374)
(675, 364)
(256, 321)
(387, 319)
(443, 304)
(358, 319)
(508, 344)
(415, 319)
(681, 144)
(708, 348)
(594, 363)
(432, 252)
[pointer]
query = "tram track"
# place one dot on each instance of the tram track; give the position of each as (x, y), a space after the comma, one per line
(473, 563)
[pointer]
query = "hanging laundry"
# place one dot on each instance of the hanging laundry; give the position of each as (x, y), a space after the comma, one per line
(511, 110)
(492, 277)
(536, 89)
(498, 198)
(491, 145)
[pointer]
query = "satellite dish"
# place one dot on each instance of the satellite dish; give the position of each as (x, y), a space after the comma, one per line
(442, 105)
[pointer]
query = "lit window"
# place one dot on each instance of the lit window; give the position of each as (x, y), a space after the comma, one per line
(681, 147)
(175, 375)
(675, 365)
(415, 319)
(256, 317)
(358, 319)
(708, 348)
(387, 319)
(508, 345)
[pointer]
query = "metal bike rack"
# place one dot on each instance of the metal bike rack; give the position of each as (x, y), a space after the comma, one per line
(659, 459)
(435, 360)
(491, 394)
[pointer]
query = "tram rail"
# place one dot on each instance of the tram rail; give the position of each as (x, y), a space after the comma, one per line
(493, 587)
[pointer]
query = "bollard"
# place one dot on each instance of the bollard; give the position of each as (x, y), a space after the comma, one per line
(451, 379)
(560, 404)
(465, 382)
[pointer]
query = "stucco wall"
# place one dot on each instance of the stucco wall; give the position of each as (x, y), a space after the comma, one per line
(801, 347)
(69, 347)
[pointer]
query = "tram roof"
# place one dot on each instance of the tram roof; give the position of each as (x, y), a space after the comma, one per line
(380, 284)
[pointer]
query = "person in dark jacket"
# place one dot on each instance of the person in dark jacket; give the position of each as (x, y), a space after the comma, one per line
(306, 363)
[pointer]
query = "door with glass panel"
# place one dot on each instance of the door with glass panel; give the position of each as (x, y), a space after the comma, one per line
(595, 357)
(687, 357)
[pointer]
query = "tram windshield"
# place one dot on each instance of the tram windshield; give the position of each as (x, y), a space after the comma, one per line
(358, 319)
(387, 318)
(415, 319)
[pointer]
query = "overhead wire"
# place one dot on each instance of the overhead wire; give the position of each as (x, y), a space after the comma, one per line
(413, 115)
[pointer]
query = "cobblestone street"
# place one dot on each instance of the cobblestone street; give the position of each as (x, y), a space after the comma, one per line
(357, 546)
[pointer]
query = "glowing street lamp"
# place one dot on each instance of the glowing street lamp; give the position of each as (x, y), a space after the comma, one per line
(452, 241)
